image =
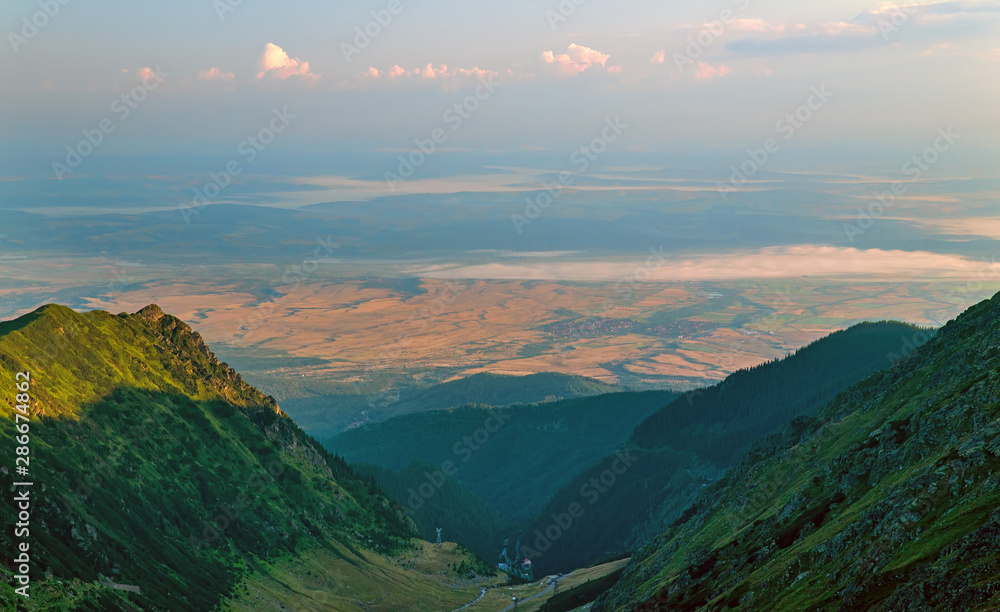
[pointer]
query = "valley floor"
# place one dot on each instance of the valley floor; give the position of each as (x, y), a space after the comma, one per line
(319, 581)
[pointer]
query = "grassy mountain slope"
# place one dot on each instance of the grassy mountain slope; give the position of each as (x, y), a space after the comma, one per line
(686, 446)
(427, 577)
(533, 451)
(324, 414)
(885, 500)
(155, 465)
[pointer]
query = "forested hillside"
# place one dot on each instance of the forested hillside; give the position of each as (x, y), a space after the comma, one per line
(433, 499)
(325, 414)
(686, 446)
(885, 500)
(514, 458)
(720, 422)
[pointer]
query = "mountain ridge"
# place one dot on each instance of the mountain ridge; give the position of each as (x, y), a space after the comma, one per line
(885, 500)
(326, 415)
(158, 466)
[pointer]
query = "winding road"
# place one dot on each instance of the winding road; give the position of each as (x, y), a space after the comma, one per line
(551, 586)
(481, 595)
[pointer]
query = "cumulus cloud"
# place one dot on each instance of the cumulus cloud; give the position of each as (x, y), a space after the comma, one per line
(215, 74)
(872, 28)
(708, 71)
(277, 64)
(430, 72)
(578, 59)
(758, 25)
(659, 57)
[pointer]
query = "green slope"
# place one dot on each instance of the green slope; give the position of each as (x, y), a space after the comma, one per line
(324, 414)
(885, 500)
(674, 454)
(155, 465)
(532, 452)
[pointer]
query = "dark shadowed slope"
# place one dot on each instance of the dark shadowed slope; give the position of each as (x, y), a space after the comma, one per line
(514, 458)
(885, 500)
(687, 445)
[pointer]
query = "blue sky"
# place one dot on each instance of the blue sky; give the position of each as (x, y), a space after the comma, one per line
(898, 72)
(802, 114)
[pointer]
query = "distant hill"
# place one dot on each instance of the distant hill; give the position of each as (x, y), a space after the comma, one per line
(156, 466)
(686, 446)
(886, 499)
(327, 415)
(500, 390)
(531, 452)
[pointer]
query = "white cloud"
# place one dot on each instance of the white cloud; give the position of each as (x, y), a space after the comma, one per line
(215, 74)
(441, 73)
(757, 25)
(577, 59)
(277, 64)
(707, 71)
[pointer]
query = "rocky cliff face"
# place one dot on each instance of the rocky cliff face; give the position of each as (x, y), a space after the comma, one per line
(887, 500)
(187, 346)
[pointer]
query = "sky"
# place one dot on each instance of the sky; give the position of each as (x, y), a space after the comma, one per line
(768, 129)
(696, 82)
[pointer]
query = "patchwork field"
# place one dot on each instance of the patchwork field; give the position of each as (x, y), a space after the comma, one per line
(432, 330)
(374, 332)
